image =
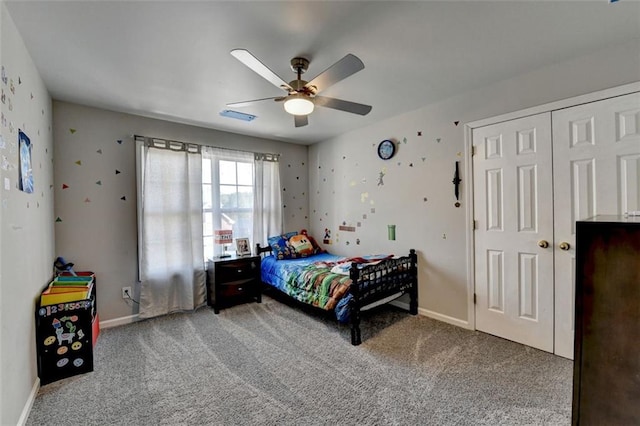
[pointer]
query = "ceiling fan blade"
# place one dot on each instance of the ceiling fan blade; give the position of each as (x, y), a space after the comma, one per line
(248, 103)
(259, 68)
(341, 105)
(301, 120)
(342, 69)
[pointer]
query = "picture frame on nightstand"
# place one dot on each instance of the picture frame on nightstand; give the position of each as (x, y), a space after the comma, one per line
(243, 247)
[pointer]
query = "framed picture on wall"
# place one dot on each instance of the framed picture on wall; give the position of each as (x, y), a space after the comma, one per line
(243, 247)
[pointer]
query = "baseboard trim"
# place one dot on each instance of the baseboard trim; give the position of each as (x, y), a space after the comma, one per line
(129, 319)
(435, 315)
(29, 404)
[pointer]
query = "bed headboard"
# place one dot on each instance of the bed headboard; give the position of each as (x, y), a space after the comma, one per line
(260, 250)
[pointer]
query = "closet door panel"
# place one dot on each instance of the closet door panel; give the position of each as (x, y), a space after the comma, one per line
(513, 205)
(596, 169)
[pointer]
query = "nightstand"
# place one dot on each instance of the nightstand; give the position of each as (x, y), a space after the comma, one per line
(232, 280)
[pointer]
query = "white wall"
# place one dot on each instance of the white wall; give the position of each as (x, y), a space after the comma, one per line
(96, 228)
(26, 226)
(417, 195)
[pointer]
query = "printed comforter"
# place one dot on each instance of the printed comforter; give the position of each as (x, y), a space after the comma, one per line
(321, 280)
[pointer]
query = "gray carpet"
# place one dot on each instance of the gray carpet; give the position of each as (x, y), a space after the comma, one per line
(273, 364)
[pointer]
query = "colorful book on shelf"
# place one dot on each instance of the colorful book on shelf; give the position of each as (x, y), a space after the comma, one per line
(56, 293)
(64, 285)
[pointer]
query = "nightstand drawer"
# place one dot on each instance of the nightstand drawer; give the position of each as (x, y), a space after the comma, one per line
(234, 271)
(236, 289)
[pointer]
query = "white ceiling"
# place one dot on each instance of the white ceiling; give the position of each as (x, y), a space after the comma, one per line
(170, 59)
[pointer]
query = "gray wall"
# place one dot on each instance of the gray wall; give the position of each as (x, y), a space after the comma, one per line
(26, 220)
(417, 195)
(95, 168)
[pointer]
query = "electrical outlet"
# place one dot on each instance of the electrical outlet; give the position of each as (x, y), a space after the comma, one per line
(126, 293)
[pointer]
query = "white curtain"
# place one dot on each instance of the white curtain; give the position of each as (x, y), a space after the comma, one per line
(267, 198)
(170, 227)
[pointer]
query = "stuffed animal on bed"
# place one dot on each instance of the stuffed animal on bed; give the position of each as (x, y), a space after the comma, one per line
(301, 245)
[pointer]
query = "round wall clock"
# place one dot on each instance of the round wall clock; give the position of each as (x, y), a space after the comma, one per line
(386, 149)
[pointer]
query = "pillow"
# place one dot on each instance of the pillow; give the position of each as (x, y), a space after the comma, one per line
(281, 246)
(301, 245)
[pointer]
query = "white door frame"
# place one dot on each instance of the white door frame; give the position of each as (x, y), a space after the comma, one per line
(468, 169)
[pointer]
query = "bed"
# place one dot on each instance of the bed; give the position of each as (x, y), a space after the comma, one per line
(346, 286)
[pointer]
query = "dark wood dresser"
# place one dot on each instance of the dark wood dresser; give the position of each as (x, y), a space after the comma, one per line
(606, 381)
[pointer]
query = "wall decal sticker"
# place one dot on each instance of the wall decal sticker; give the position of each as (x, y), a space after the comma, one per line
(364, 216)
(25, 176)
(3, 144)
(5, 165)
(19, 80)
(456, 122)
(98, 182)
(347, 228)
(424, 199)
(72, 131)
(391, 231)
(438, 140)
(381, 178)
(31, 96)
(359, 224)
(373, 209)
(357, 241)
(79, 163)
(118, 172)
(3, 97)
(327, 236)
(410, 164)
(404, 140)
(119, 141)
(364, 196)
(99, 151)
(87, 200)
(7, 184)
(419, 133)
(3, 75)
(123, 198)
(58, 219)
(12, 87)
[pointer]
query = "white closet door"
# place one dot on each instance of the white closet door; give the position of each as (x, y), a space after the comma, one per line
(596, 152)
(514, 212)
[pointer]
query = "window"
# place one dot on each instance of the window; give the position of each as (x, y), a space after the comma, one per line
(227, 198)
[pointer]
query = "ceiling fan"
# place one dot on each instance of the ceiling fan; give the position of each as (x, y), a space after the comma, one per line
(302, 96)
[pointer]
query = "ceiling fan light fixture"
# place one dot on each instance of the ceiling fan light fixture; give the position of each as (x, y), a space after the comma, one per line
(298, 105)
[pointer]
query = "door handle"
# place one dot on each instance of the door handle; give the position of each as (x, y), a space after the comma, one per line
(543, 243)
(564, 246)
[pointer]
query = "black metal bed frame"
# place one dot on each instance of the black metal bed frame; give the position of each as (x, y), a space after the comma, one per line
(374, 283)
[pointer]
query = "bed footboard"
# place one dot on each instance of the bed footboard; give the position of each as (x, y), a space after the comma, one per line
(374, 283)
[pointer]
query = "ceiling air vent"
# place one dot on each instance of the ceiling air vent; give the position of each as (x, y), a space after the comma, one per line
(237, 115)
